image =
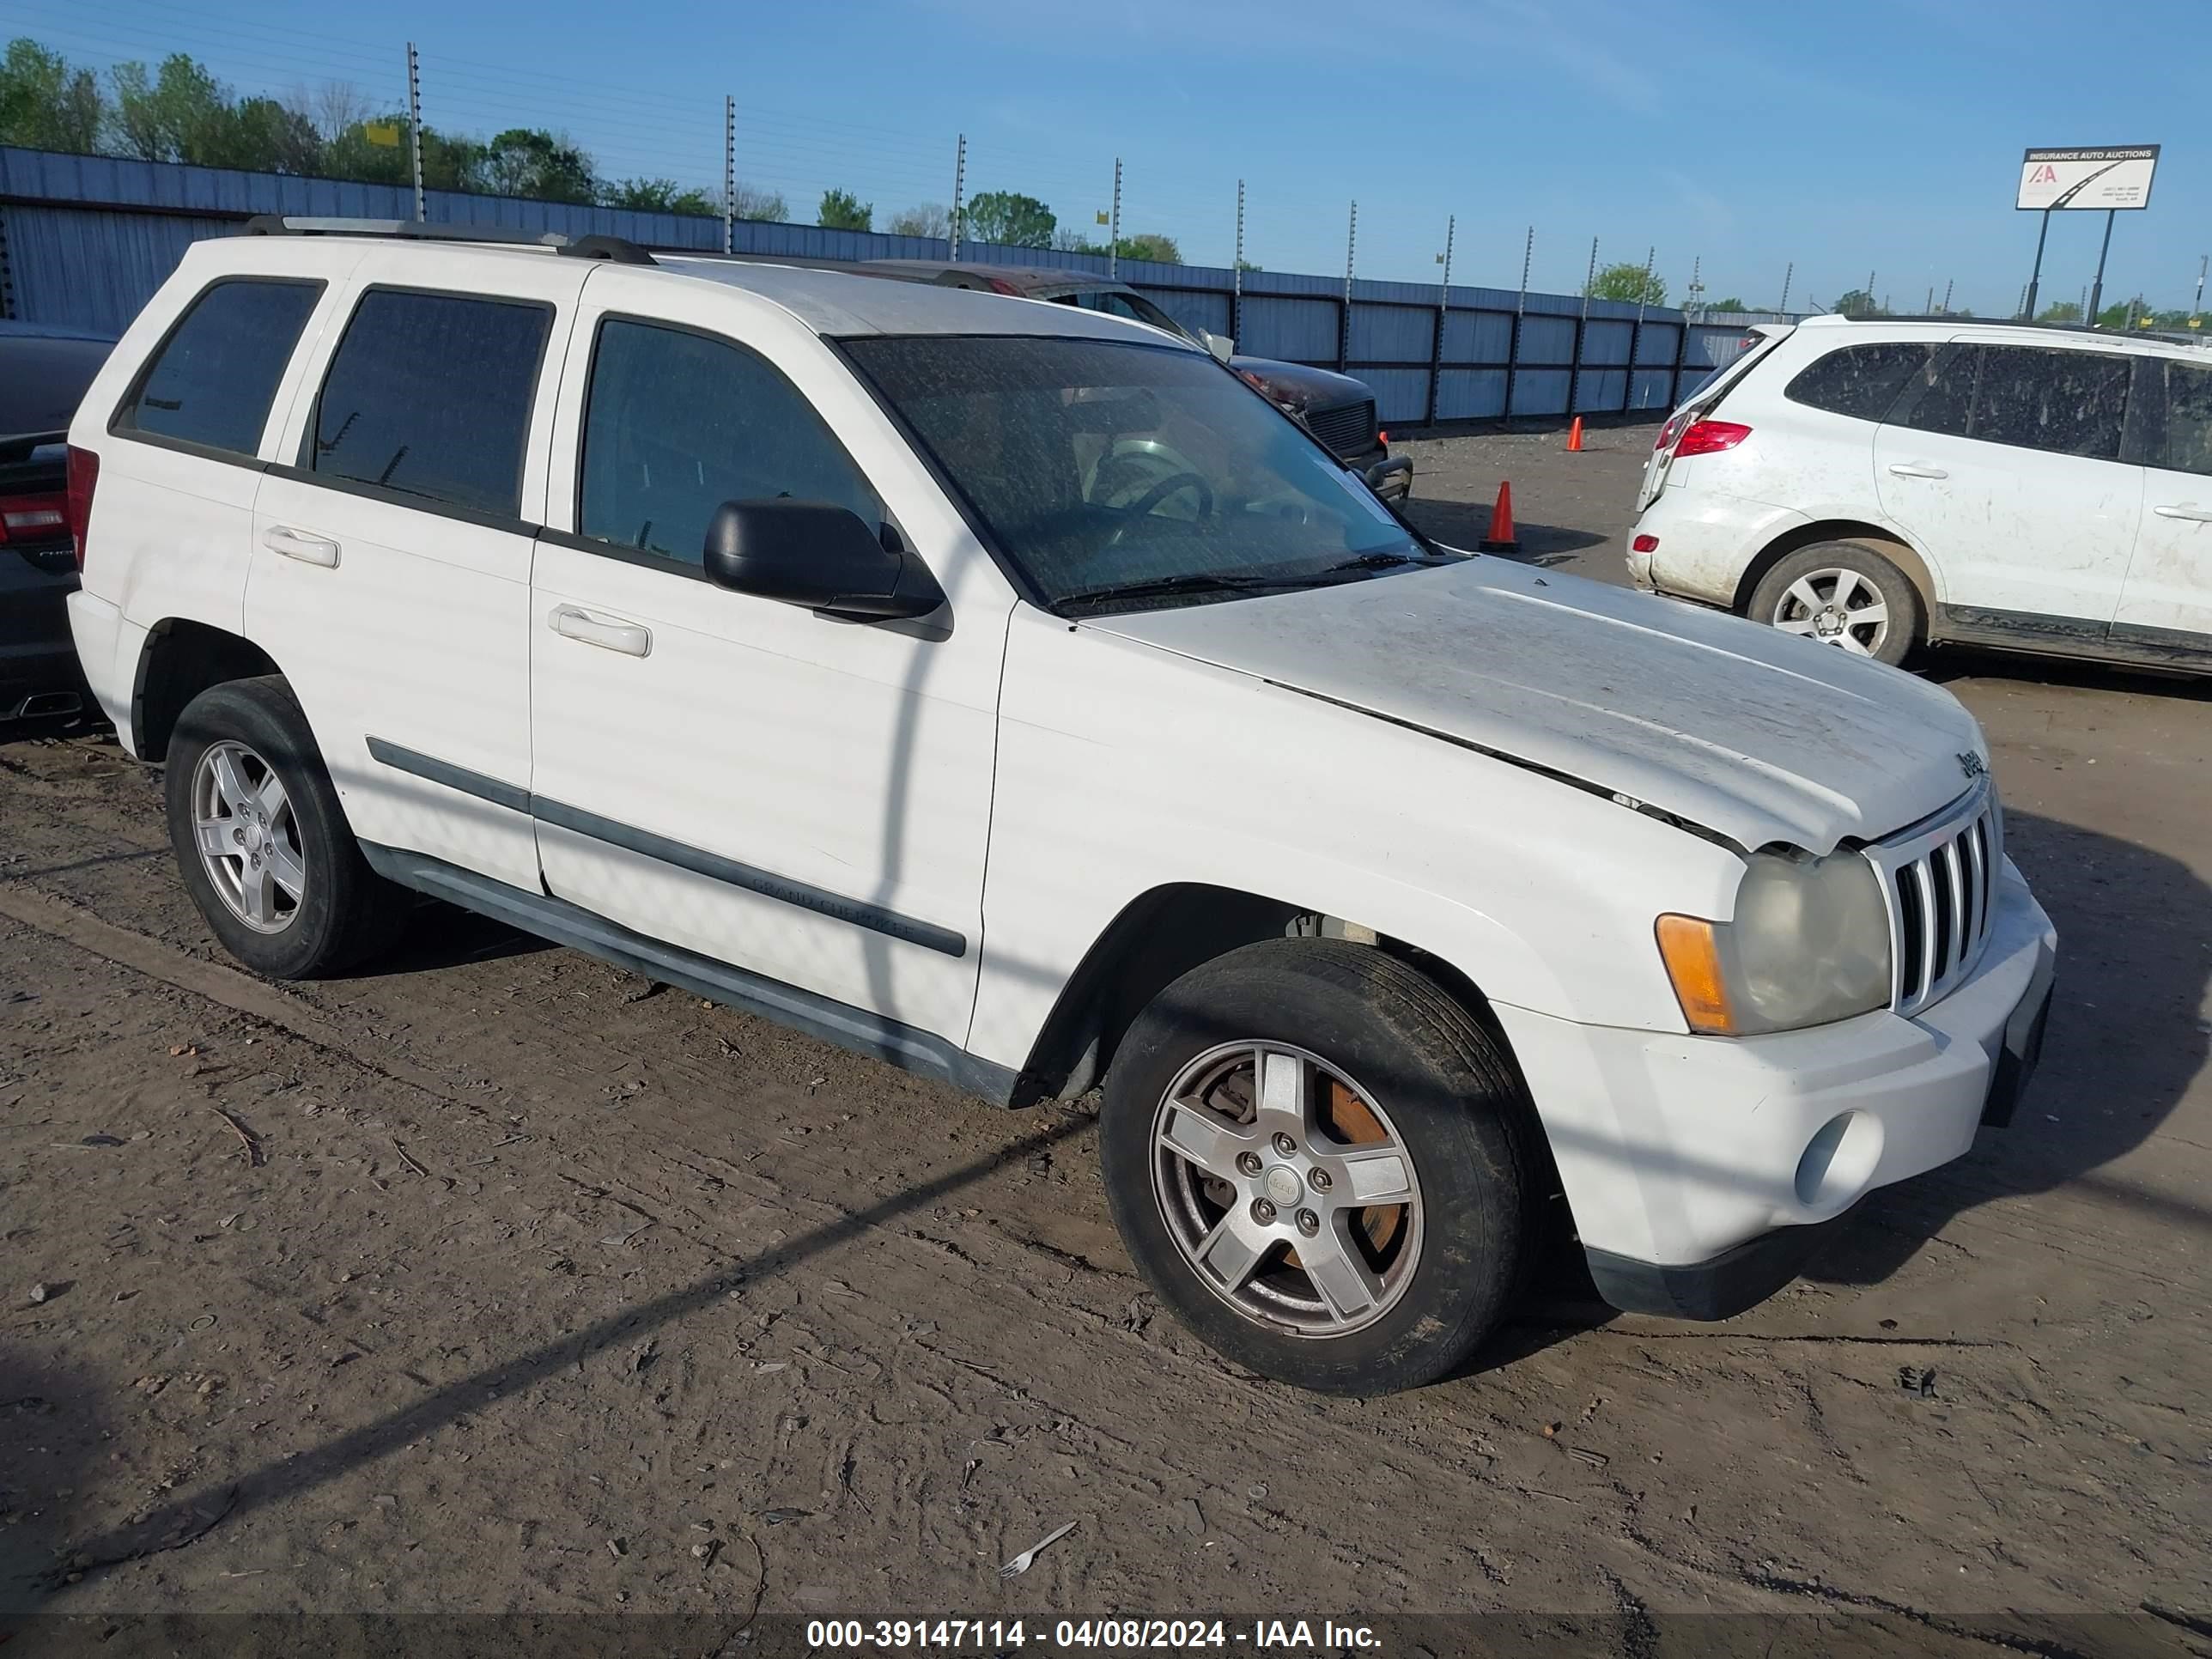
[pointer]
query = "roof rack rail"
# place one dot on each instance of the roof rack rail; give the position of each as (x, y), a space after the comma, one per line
(618, 249)
(2166, 336)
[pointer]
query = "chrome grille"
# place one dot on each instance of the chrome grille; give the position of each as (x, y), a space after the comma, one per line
(1348, 429)
(1939, 879)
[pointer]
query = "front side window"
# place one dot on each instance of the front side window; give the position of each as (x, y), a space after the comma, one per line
(2183, 443)
(213, 380)
(675, 423)
(1114, 472)
(1861, 381)
(430, 395)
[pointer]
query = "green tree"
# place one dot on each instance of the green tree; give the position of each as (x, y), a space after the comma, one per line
(261, 136)
(842, 210)
(1152, 245)
(375, 151)
(657, 195)
(174, 114)
(1010, 219)
(1730, 304)
(923, 219)
(1857, 302)
(1630, 283)
(45, 103)
(2066, 311)
(532, 162)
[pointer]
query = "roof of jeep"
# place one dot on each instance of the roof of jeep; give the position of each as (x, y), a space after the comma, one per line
(844, 304)
(841, 303)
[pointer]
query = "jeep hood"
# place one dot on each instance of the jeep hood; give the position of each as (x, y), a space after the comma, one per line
(1754, 735)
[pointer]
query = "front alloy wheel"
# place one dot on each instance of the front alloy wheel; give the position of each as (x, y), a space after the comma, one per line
(1322, 1163)
(1287, 1189)
(248, 837)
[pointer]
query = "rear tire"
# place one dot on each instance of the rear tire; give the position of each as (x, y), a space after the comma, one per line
(262, 840)
(1846, 594)
(1247, 1109)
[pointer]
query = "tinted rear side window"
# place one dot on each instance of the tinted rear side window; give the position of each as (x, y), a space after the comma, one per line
(1861, 381)
(213, 378)
(2069, 402)
(2183, 441)
(678, 423)
(1941, 397)
(430, 395)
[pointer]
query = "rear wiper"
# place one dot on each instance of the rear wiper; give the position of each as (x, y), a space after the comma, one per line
(1195, 582)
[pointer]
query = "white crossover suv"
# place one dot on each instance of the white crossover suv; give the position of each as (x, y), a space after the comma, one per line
(1880, 484)
(1009, 692)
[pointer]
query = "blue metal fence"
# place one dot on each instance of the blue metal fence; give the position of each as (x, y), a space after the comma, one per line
(86, 240)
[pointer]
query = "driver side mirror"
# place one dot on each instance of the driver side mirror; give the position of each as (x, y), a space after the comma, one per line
(818, 554)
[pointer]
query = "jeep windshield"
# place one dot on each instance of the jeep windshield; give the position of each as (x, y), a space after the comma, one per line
(1120, 475)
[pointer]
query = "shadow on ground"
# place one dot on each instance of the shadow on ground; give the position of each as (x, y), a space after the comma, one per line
(1464, 524)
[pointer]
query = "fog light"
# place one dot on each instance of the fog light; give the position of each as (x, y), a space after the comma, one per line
(1838, 1160)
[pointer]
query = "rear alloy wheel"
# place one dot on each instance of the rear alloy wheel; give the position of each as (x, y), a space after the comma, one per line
(1318, 1160)
(1845, 594)
(262, 842)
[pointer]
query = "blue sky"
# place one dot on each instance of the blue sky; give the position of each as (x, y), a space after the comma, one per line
(1881, 136)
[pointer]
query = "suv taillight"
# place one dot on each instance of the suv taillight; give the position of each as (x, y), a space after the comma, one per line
(1710, 438)
(1672, 430)
(76, 503)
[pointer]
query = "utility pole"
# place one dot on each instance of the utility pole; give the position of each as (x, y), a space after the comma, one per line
(415, 123)
(1650, 255)
(1236, 276)
(959, 185)
(1351, 253)
(2196, 305)
(1789, 272)
(1452, 223)
(729, 175)
(1114, 232)
(1869, 306)
(1947, 294)
(1693, 297)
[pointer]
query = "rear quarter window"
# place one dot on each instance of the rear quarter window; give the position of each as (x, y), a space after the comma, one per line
(1861, 381)
(210, 382)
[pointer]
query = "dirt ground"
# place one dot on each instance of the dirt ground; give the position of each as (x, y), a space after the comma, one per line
(500, 1283)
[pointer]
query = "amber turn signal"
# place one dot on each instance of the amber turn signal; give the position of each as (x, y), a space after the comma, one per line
(1690, 950)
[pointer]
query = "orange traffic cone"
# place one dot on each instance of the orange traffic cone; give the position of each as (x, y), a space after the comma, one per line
(1501, 538)
(1575, 436)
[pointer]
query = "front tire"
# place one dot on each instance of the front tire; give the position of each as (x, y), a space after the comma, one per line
(1321, 1163)
(262, 840)
(1845, 594)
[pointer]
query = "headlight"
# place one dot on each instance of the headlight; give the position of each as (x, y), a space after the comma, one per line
(1809, 943)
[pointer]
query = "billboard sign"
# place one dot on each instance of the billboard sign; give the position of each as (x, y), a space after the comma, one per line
(2117, 176)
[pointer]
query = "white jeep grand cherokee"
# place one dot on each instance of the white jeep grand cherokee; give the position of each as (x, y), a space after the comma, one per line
(1009, 693)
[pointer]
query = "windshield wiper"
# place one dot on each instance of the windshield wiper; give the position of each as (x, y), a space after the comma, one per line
(1373, 561)
(1192, 582)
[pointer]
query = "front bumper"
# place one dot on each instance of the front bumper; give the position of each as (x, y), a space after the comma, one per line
(1698, 1168)
(1391, 480)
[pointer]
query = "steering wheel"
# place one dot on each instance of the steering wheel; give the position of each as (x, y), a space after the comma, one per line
(1160, 492)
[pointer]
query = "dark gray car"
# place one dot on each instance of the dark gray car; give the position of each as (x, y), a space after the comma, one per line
(43, 373)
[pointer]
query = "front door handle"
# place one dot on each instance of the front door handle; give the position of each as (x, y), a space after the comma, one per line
(2186, 510)
(1914, 469)
(299, 544)
(631, 639)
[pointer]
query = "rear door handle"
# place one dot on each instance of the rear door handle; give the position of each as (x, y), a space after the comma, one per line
(610, 633)
(2200, 514)
(299, 544)
(1913, 470)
